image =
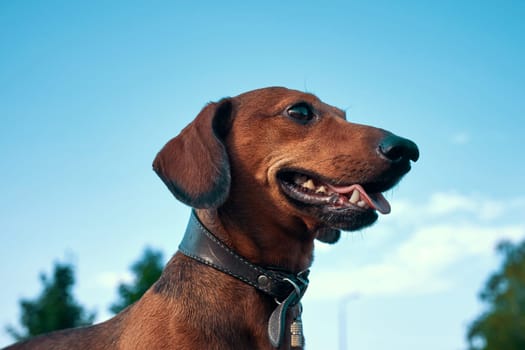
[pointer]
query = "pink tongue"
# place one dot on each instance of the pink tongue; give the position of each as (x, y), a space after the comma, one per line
(375, 200)
(380, 203)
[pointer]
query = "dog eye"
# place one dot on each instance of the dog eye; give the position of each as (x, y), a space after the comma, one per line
(301, 113)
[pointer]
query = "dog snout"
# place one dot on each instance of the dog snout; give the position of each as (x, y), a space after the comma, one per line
(398, 149)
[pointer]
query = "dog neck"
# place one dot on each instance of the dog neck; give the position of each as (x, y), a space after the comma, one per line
(202, 245)
(288, 246)
(284, 287)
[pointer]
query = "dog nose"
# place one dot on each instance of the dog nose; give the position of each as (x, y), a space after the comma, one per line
(397, 149)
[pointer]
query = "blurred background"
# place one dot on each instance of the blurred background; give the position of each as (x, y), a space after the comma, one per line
(91, 90)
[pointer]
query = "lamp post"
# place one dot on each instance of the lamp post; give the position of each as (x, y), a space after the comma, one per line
(342, 318)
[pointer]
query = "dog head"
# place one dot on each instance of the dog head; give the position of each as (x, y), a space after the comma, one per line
(286, 155)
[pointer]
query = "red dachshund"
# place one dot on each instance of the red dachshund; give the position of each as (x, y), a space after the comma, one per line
(266, 172)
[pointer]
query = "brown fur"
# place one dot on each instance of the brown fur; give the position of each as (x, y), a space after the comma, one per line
(225, 164)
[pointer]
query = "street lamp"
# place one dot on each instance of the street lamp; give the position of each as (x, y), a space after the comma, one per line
(342, 318)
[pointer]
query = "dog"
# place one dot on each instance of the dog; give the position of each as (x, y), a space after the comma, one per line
(266, 173)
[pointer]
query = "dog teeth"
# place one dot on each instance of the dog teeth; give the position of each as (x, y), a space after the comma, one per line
(320, 189)
(309, 185)
(355, 197)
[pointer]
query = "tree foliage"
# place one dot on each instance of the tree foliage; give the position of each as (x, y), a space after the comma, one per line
(146, 271)
(54, 309)
(502, 325)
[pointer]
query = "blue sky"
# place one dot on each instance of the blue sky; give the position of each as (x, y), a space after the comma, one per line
(90, 91)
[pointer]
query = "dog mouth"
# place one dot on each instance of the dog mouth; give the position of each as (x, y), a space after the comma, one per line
(314, 191)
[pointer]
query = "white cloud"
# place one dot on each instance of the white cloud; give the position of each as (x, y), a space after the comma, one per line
(445, 203)
(448, 229)
(482, 208)
(442, 205)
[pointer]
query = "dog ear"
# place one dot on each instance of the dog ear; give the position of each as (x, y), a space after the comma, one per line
(328, 235)
(194, 165)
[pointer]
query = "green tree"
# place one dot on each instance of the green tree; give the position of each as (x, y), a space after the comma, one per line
(502, 325)
(147, 271)
(54, 309)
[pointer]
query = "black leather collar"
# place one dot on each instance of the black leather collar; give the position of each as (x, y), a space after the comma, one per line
(286, 288)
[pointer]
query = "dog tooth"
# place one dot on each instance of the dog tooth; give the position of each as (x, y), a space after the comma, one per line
(321, 189)
(354, 198)
(309, 184)
(361, 204)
